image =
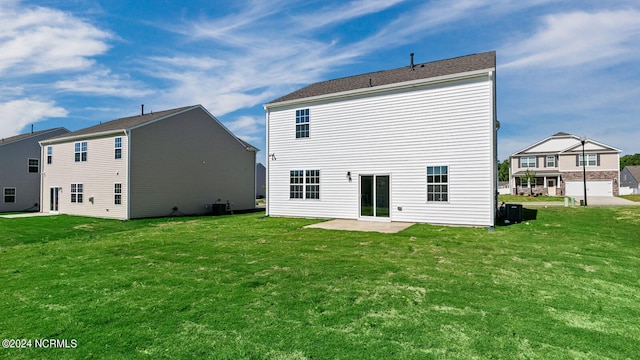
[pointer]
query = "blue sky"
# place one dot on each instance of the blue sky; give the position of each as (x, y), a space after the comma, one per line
(571, 66)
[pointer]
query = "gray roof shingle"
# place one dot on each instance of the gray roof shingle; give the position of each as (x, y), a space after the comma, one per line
(123, 123)
(15, 138)
(486, 60)
(634, 171)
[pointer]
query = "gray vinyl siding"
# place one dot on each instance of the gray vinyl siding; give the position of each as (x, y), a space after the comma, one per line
(397, 133)
(97, 175)
(188, 161)
(14, 171)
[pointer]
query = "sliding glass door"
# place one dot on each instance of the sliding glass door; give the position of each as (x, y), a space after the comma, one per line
(374, 196)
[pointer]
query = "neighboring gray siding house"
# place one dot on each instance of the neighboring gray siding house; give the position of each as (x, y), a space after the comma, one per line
(557, 163)
(630, 179)
(20, 165)
(416, 143)
(173, 162)
(261, 179)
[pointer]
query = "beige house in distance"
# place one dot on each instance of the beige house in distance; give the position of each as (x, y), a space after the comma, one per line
(174, 162)
(557, 164)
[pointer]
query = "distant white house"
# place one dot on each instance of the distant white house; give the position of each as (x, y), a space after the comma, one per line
(20, 165)
(173, 162)
(416, 143)
(557, 164)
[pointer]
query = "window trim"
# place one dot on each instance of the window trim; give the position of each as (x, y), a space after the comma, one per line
(446, 183)
(302, 123)
(529, 159)
(80, 151)
(552, 158)
(77, 193)
(49, 154)
(117, 145)
(5, 195)
(117, 194)
(304, 184)
(588, 158)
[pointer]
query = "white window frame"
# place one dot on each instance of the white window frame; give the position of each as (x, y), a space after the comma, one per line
(49, 154)
(302, 123)
(77, 191)
(551, 163)
(296, 184)
(117, 193)
(117, 144)
(590, 158)
(528, 162)
(80, 151)
(312, 184)
(438, 183)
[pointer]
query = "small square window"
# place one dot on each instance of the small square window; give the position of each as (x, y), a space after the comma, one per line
(9, 195)
(34, 165)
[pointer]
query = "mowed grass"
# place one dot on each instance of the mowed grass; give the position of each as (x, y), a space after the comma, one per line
(565, 285)
(526, 198)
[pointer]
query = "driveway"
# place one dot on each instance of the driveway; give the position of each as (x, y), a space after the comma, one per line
(606, 201)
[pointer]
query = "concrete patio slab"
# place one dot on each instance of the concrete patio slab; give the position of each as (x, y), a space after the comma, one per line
(24, 215)
(358, 225)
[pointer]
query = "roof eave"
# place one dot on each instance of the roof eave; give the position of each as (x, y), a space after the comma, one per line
(82, 136)
(382, 88)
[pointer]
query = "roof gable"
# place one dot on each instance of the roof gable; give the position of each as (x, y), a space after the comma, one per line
(634, 171)
(562, 143)
(428, 70)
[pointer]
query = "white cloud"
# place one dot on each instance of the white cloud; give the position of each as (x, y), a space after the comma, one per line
(39, 40)
(341, 13)
(17, 114)
(579, 38)
(248, 128)
(104, 83)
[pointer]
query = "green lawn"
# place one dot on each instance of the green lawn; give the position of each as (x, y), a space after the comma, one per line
(561, 286)
(632, 197)
(525, 198)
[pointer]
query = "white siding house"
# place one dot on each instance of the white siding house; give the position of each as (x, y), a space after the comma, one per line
(417, 143)
(174, 162)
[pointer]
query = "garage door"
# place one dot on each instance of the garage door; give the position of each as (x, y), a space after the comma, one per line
(594, 188)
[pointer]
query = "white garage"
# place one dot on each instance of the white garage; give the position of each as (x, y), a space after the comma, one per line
(594, 188)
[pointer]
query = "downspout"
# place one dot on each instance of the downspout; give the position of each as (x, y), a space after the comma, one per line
(268, 169)
(495, 128)
(128, 135)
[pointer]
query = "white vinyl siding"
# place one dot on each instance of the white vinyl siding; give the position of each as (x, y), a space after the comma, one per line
(398, 133)
(97, 176)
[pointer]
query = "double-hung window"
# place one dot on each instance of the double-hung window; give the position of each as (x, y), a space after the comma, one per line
(304, 184)
(76, 193)
(438, 183)
(312, 184)
(34, 165)
(302, 123)
(592, 160)
(296, 184)
(528, 162)
(117, 194)
(49, 154)
(550, 161)
(10, 195)
(118, 148)
(80, 151)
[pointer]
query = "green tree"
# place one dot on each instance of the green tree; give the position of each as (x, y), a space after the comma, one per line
(528, 177)
(629, 160)
(503, 171)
